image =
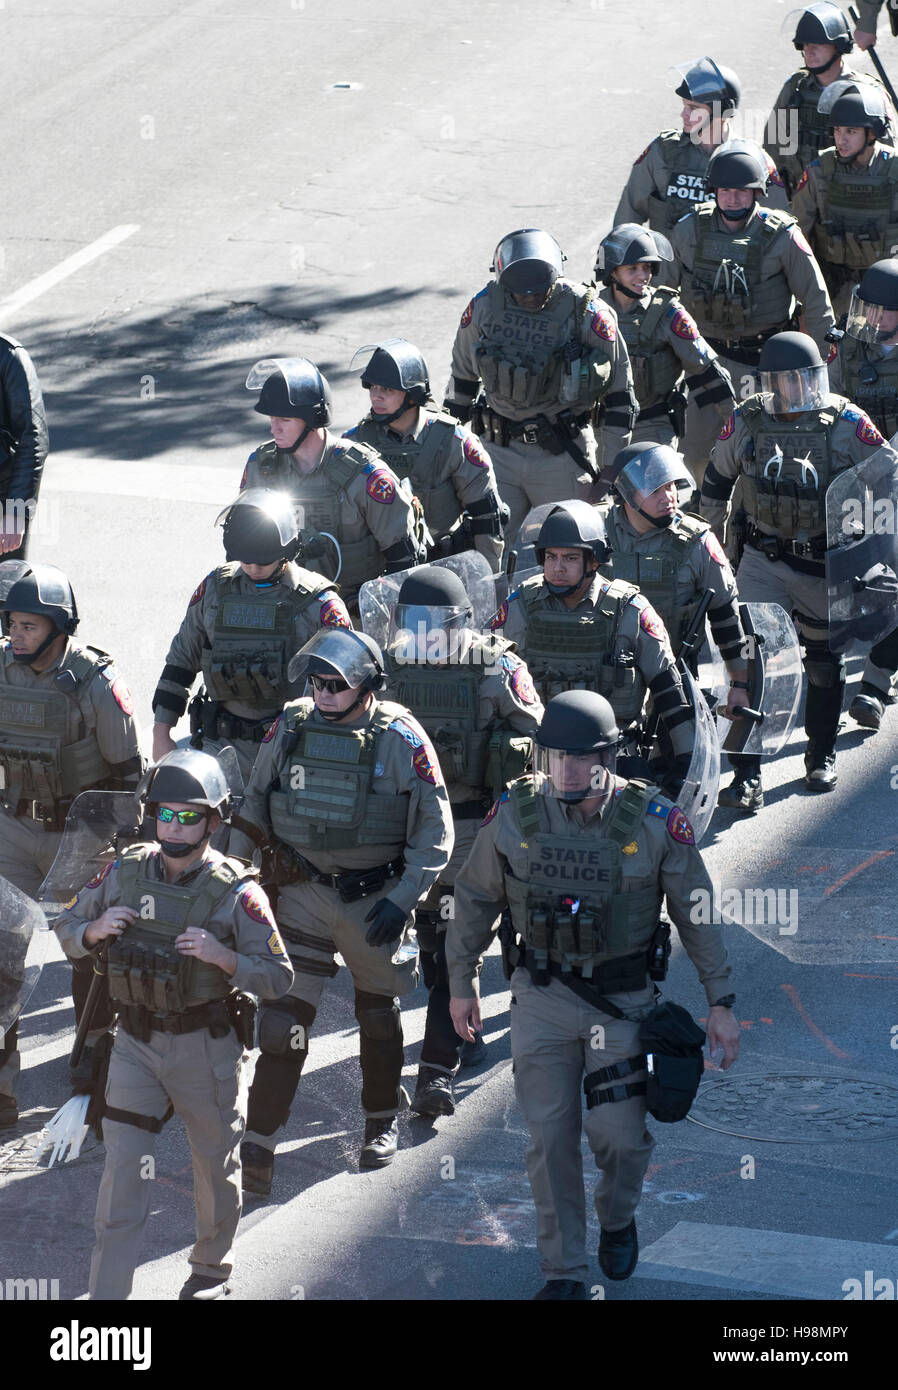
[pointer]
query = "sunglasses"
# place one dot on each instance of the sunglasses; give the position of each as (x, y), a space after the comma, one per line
(167, 815)
(333, 687)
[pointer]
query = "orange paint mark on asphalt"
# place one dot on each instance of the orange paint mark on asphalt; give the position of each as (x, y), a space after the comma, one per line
(792, 994)
(874, 859)
(654, 1168)
(766, 1020)
(853, 975)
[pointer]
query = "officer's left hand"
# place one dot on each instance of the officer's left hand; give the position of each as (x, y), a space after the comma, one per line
(723, 1031)
(387, 922)
(205, 946)
(735, 699)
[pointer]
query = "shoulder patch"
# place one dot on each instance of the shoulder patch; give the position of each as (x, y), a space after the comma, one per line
(522, 685)
(469, 312)
(603, 325)
(491, 813)
(801, 182)
(714, 548)
(474, 452)
(852, 413)
(832, 354)
(800, 240)
(256, 907)
(728, 427)
(651, 623)
(684, 325)
(679, 829)
(199, 590)
(243, 478)
(380, 485)
(500, 617)
(643, 155)
(120, 692)
(421, 759)
(269, 735)
(351, 432)
(867, 432)
(333, 611)
(773, 174)
(103, 873)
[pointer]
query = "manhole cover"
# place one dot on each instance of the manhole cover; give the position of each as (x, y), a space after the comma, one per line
(788, 1108)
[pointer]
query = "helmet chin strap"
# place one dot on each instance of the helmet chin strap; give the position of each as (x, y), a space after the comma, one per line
(332, 716)
(661, 523)
(565, 590)
(740, 215)
(27, 658)
(394, 415)
(631, 294)
(179, 849)
(301, 440)
(870, 140)
(826, 66)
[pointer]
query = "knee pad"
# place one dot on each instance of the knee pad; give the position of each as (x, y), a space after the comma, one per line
(824, 668)
(379, 1016)
(284, 1028)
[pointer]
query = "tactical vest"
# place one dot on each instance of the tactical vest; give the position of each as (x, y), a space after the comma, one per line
(565, 869)
(422, 460)
(685, 168)
(655, 574)
(724, 289)
(878, 398)
(656, 367)
(144, 966)
(859, 219)
(253, 639)
(322, 500)
(581, 648)
(522, 357)
(786, 495)
(814, 130)
(325, 797)
(38, 761)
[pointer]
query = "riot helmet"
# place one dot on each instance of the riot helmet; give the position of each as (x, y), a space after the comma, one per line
(630, 244)
(189, 776)
(855, 103)
(574, 745)
(431, 619)
(39, 589)
(397, 365)
(260, 527)
(793, 375)
(641, 469)
(528, 261)
(822, 23)
(873, 311)
(709, 84)
(738, 164)
(292, 388)
(573, 526)
(340, 652)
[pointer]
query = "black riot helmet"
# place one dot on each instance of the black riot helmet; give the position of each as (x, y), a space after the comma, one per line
(577, 738)
(292, 388)
(738, 164)
(431, 616)
(574, 526)
(855, 103)
(710, 84)
(260, 527)
(528, 261)
(793, 375)
(188, 776)
(822, 23)
(40, 589)
(341, 652)
(397, 365)
(630, 244)
(877, 291)
(640, 469)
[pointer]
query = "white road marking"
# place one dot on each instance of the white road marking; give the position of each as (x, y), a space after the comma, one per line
(35, 288)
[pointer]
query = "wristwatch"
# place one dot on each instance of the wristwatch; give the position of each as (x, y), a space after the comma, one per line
(725, 1002)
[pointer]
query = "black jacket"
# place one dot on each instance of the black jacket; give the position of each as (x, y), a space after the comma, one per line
(24, 439)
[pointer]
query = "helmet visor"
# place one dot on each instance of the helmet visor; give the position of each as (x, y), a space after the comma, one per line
(294, 370)
(703, 81)
(275, 508)
(655, 468)
(337, 650)
(426, 632)
(870, 323)
(571, 776)
(628, 244)
(803, 388)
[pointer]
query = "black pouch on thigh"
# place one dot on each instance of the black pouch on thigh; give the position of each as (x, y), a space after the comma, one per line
(672, 1041)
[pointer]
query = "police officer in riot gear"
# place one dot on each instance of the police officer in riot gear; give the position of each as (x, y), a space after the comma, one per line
(577, 629)
(346, 795)
(66, 724)
(344, 492)
(551, 362)
(673, 558)
(787, 443)
(846, 201)
(569, 851)
(796, 129)
(865, 370)
(740, 269)
(666, 350)
(185, 931)
(475, 700)
(244, 623)
(447, 466)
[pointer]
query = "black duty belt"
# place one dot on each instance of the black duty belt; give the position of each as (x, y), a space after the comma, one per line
(624, 974)
(776, 548)
(467, 810)
(228, 725)
(138, 1021)
(745, 350)
(350, 880)
(654, 412)
(532, 431)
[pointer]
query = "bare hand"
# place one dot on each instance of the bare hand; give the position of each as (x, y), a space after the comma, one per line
(10, 540)
(736, 699)
(466, 1018)
(723, 1031)
(864, 39)
(112, 923)
(162, 741)
(204, 945)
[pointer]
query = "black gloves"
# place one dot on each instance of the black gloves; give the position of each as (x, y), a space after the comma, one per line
(387, 921)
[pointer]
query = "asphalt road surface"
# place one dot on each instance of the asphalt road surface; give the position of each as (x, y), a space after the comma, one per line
(189, 188)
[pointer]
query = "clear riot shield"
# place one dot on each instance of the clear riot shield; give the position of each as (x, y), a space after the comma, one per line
(23, 948)
(774, 679)
(97, 826)
(862, 551)
(378, 597)
(698, 796)
(521, 561)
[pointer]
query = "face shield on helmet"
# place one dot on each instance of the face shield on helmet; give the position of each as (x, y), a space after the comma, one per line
(575, 746)
(818, 24)
(259, 527)
(873, 310)
(706, 83)
(292, 388)
(854, 102)
(350, 656)
(797, 390)
(640, 473)
(572, 776)
(630, 245)
(528, 262)
(429, 633)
